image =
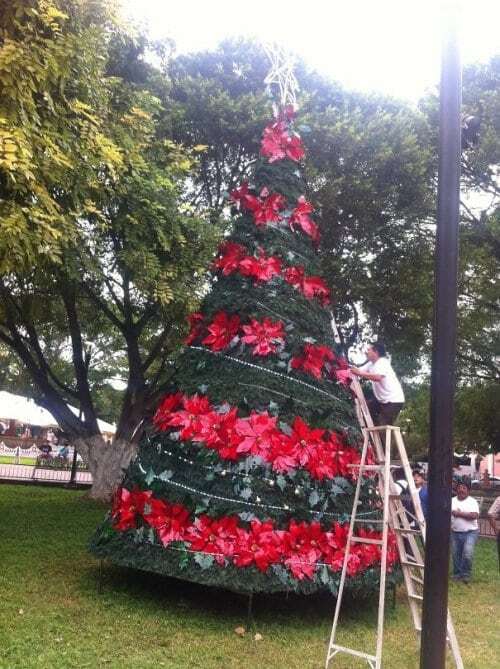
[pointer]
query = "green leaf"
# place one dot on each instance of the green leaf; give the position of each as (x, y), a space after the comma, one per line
(281, 482)
(313, 498)
(203, 560)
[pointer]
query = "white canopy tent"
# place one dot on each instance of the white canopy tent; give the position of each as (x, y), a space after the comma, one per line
(27, 411)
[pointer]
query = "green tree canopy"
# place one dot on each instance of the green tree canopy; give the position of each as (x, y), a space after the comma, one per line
(105, 262)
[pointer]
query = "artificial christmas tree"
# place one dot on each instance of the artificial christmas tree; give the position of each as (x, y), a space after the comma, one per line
(243, 479)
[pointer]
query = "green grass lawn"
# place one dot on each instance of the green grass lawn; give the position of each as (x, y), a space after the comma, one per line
(53, 616)
(11, 460)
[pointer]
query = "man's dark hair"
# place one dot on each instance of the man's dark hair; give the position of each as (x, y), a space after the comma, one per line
(379, 347)
(418, 471)
(465, 481)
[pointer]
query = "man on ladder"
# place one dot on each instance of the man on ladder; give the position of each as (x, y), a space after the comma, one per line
(389, 397)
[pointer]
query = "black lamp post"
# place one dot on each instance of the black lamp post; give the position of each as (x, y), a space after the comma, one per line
(435, 604)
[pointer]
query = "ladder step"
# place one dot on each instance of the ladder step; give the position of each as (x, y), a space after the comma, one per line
(406, 563)
(365, 540)
(380, 466)
(403, 530)
(371, 468)
(413, 595)
(342, 649)
(417, 579)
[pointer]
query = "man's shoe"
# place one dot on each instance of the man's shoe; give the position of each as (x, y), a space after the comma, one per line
(456, 577)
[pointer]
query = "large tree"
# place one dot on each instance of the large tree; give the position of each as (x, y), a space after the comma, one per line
(103, 262)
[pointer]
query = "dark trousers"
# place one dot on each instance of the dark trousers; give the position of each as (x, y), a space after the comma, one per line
(384, 413)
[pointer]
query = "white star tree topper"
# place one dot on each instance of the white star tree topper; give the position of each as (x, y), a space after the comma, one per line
(281, 75)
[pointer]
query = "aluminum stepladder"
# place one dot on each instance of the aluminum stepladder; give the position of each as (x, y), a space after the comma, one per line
(409, 534)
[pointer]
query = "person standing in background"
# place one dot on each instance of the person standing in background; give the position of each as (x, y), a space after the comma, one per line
(389, 397)
(421, 486)
(464, 532)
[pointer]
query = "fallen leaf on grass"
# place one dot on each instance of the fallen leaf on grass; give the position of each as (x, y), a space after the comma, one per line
(258, 637)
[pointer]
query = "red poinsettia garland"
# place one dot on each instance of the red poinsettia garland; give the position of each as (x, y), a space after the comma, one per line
(322, 453)
(234, 258)
(300, 547)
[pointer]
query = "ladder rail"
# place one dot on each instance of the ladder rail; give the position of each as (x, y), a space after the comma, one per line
(346, 553)
(383, 561)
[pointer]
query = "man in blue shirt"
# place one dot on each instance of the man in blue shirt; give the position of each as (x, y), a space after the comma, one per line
(418, 477)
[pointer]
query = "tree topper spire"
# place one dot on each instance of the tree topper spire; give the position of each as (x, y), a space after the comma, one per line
(281, 75)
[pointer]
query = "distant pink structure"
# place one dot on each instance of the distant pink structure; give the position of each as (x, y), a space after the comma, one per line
(491, 464)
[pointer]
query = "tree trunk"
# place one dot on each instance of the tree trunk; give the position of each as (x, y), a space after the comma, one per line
(106, 463)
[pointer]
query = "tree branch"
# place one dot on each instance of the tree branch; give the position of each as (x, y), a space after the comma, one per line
(79, 363)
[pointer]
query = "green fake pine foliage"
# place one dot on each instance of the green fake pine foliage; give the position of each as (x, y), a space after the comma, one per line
(193, 475)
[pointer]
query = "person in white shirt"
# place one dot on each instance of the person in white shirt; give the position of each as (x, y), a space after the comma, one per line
(464, 532)
(389, 397)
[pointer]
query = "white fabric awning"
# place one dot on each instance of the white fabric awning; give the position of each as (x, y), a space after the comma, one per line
(26, 410)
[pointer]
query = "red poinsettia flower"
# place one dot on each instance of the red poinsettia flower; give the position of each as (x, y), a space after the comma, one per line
(337, 536)
(215, 537)
(282, 454)
(127, 504)
(314, 286)
(277, 143)
(264, 336)
(368, 554)
(195, 327)
(222, 331)
(294, 148)
(243, 198)
(230, 256)
(343, 376)
(345, 456)
(169, 520)
(269, 208)
(305, 440)
(310, 287)
(216, 428)
(300, 217)
(189, 418)
(353, 564)
(262, 268)
(261, 545)
(175, 526)
(256, 432)
(164, 411)
(322, 463)
(294, 276)
(302, 548)
(313, 359)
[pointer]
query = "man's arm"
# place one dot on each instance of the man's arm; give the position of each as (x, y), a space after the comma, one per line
(466, 515)
(367, 375)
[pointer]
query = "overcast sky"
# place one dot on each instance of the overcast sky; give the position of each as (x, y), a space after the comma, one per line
(392, 46)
